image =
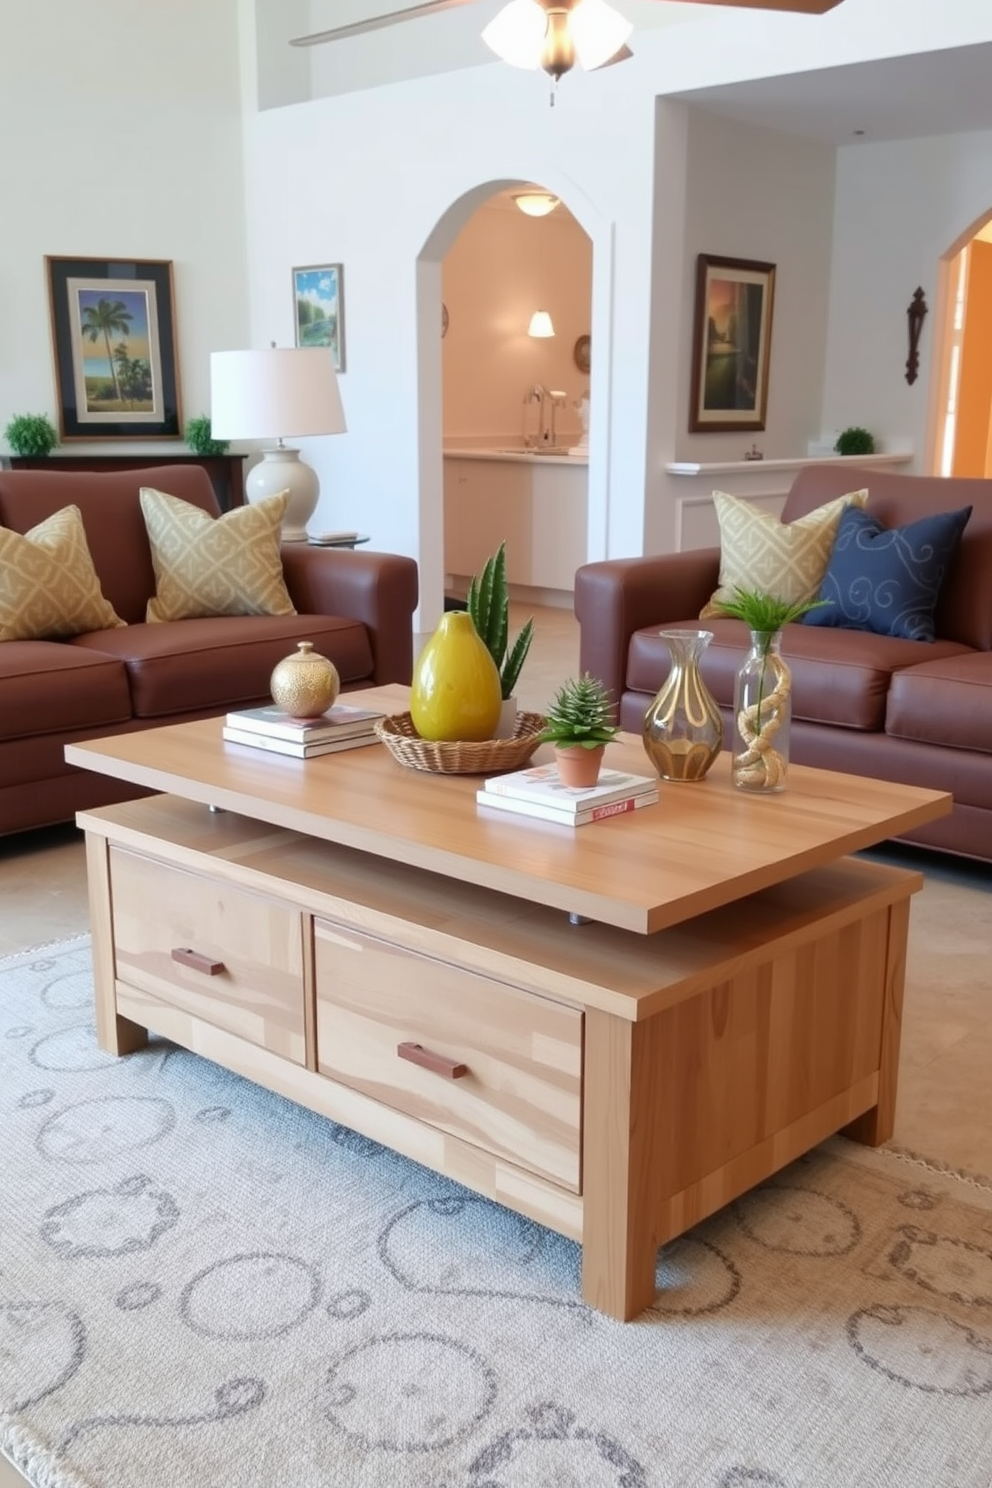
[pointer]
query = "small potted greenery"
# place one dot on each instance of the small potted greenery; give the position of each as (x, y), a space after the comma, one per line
(489, 606)
(579, 723)
(199, 436)
(763, 689)
(31, 434)
(855, 441)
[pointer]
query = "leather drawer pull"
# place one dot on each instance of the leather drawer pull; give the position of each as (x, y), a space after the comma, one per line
(437, 1063)
(197, 960)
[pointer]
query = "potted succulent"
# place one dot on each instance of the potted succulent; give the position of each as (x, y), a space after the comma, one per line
(855, 441)
(199, 436)
(579, 722)
(489, 606)
(763, 689)
(31, 434)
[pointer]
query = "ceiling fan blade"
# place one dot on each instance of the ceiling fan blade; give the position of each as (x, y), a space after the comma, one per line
(376, 23)
(804, 7)
(620, 56)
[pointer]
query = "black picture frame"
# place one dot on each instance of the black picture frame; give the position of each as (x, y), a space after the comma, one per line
(731, 344)
(114, 344)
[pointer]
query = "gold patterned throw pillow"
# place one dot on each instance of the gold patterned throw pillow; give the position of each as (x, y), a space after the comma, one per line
(206, 565)
(787, 559)
(48, 586)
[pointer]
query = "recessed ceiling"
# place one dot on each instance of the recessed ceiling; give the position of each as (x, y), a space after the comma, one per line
(946, 92)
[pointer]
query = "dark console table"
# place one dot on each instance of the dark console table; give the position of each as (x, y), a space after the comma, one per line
(226, 472)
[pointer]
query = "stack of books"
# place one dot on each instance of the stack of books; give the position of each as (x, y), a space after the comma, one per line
(539, 792)
(341, 727)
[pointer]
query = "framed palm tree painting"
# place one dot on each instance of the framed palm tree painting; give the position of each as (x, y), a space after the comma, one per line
(114, 342)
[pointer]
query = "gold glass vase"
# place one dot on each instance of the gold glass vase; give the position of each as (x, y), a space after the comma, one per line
(683, 728)
(456, 692)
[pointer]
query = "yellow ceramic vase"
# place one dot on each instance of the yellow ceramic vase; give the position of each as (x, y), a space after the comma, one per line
(456, 691)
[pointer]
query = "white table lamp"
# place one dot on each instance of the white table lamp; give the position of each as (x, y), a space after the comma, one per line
(281, 393)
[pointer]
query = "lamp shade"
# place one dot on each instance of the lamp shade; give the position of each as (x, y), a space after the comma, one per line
(279, 393)
(541, 324)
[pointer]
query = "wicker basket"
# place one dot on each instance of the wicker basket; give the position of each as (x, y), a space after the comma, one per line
(457, 757)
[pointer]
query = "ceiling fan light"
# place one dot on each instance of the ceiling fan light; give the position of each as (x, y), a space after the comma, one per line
(535, 203)
(516, 33)
(541, 325)
(598, 32)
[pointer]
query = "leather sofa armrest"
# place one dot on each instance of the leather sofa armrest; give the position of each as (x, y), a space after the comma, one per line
(379, 589)
(616, 597)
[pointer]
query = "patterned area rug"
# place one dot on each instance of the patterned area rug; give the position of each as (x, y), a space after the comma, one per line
(202, 1284)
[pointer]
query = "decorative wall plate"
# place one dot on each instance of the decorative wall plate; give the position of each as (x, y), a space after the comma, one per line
(582, 353)
(444, 320)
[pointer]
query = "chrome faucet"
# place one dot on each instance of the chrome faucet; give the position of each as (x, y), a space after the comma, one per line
(537, 393)
(550, 400)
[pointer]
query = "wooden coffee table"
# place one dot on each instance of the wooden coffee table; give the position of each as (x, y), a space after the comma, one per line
(613, 1030)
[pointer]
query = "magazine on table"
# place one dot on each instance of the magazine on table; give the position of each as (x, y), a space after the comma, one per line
(339, 722)
(590, 813)
(295, 748)
(541, 783)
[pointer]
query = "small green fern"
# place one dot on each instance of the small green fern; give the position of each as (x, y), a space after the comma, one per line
(489, 606)
(580, 714)
(766, 613)
(31, 434)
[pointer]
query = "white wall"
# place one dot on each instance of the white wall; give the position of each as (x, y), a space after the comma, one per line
(120, 136)
(901, 208)
(501, 268)
(739, 192)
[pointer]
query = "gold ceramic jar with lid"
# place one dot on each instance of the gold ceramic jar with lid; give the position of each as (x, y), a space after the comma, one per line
(305, 684)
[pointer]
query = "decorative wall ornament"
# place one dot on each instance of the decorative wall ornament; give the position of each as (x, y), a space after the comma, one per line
(915, 313)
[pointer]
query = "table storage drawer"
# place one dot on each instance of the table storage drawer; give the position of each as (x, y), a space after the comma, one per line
(489, 1063)
(231, 958)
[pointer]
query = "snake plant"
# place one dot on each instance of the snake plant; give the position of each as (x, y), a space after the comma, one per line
(489, 606)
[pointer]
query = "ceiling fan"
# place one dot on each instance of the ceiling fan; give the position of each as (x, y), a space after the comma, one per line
(553, 34)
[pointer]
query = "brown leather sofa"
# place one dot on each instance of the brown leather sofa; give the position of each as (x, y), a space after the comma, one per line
(865, 704)
(356, 607)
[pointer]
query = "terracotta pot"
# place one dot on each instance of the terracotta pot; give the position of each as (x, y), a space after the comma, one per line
(579, 767)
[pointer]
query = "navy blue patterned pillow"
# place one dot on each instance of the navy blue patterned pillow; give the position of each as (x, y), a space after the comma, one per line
(888, 579)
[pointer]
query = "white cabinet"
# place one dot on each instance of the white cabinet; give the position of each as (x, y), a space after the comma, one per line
(538, 506)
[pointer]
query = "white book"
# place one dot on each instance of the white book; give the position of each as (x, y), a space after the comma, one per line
(339, 722)
(600, 812)
(293, 748)
(541, 783)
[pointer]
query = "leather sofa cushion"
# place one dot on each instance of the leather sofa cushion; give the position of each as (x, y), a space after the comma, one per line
(946, 702)
(837, 677)
(52, 686)
(222, 662)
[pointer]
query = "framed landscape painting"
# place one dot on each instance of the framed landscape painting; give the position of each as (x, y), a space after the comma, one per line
(318, 308)
(114, 342)
(731, 343)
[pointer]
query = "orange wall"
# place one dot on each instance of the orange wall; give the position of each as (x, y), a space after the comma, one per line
(502, 267)
(971, 441)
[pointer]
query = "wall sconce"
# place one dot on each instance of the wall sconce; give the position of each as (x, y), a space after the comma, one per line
(541, 325)
(535, 203)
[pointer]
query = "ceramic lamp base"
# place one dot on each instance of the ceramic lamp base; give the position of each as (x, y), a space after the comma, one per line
(281, 470)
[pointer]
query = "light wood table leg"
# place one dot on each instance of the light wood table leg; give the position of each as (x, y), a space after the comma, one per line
(876, 1126)
(619, 1250)
(114, 1034)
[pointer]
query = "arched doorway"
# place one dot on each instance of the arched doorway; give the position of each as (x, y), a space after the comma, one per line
(963, 442)
(430, 385)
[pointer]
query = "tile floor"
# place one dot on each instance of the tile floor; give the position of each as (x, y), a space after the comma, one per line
(945, 1093)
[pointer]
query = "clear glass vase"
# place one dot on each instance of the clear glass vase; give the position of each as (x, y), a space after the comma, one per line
(762, 713)
(683, 728)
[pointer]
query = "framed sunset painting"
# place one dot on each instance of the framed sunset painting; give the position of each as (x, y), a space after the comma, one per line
(114, 343)
(731, 344)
